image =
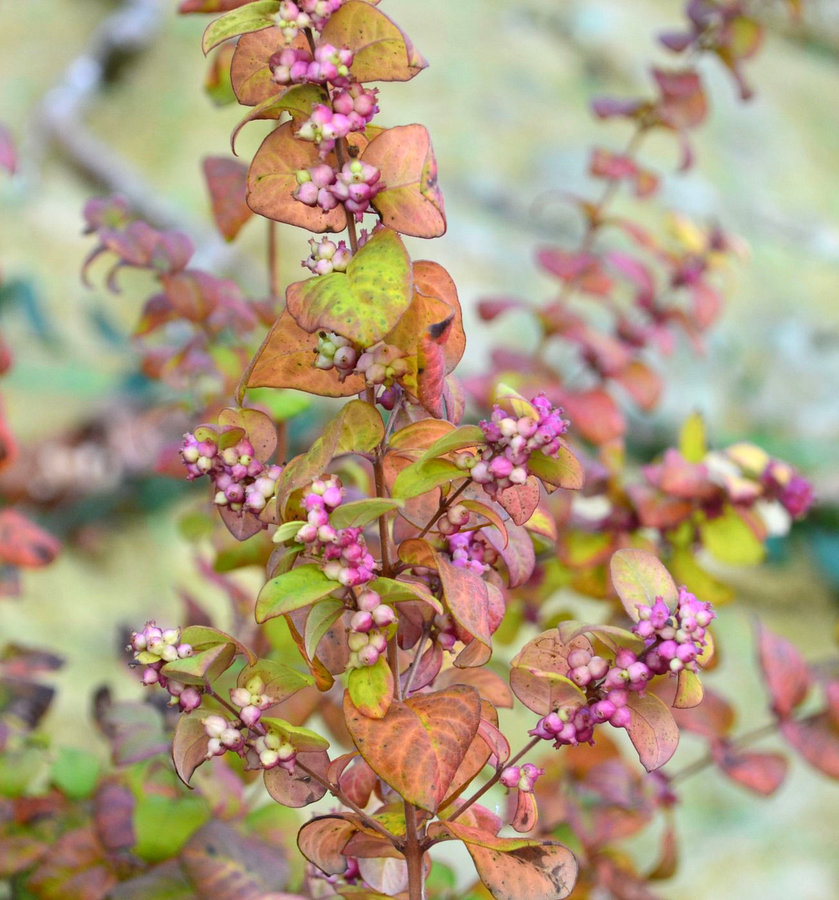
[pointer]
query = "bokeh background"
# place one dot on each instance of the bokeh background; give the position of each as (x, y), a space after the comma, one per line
(506, 101)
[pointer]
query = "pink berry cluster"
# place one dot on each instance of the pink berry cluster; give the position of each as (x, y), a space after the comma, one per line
(240, 481)
(153, 647)
(251, 700)
(351, 110)
(444, 631)
(327, 256)
(470, 550)
(344, 550)
(336, 352)
(522, 778)
(673, 641)
(292, 17)
(511, 441)
(367, 639)
(354, 185)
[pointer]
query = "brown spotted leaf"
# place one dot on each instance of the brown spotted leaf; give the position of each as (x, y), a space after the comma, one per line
(515, 868)
(418, 745)
(299, 789)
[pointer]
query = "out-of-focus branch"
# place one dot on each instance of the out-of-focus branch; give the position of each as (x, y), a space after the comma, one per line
(58, 122)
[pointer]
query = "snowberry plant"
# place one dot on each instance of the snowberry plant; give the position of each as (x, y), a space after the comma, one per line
(413, 535)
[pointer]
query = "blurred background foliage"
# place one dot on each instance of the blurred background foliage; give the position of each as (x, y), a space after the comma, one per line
(506, 101)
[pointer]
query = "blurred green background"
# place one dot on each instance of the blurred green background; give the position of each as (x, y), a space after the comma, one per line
(506, 101)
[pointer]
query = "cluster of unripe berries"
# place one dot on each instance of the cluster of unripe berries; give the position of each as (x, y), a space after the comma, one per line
(380, 364)
(367, 639)
(511, 441)
(326, 257)
(294, 16)
(354, 184)
(240, 480)
(153, 647)
(259, 745)
(344, 550)
(673, 642)
(522, 778)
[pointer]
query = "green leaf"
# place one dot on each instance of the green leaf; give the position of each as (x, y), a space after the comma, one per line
(164, 824)
(393, 591)
(206, 665)
(297, 101)
(693, 442)
(287, 531)
(363, 303)
(729, 539)
(253, 17)
(359, 513)
(562, 471)
(321, 618)
(686, 570)
(200, 637)
(75, 772)
(371, 688)
(302, 739)
(421, 477)
(639, 577)
(279, 681)
(292, 590)
(458, 439)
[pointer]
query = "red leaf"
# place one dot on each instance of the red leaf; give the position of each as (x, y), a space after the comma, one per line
(419, 744)
(23, 543)
(521, 500)
(762, 773)
(227, 181)
(683, 103)
(465, 594)
(595, 415)
(817, 740)
(250, 75)
(787, 676)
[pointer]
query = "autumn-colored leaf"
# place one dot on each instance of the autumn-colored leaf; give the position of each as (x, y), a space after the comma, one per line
(520, 500)
(22, 543)
(322, 839)
(411, 202)
(76, 868)
(465, 595)
(419, 744)
(286, 359)
(382, 52)
(255, 16)
(363, 303)
(227, 183)
(250, 74)
(639, 578)
(273, 178)
(762, 773)
(652, 730)
(226, 865)
(299, 789)
(513, 868)
(595, 415)
(787, 676)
